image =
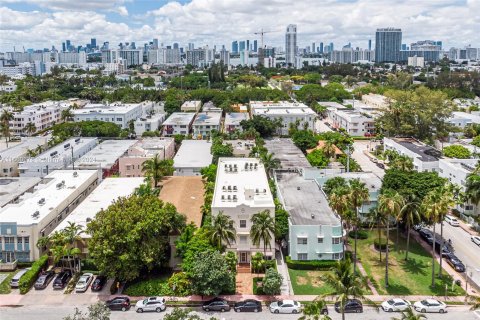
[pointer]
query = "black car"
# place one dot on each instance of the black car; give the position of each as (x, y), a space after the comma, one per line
(380, 165)
(43, 280)
(118, 303)
(351, 306)
(62, 279)
(99, 283)
(216, 304)
(248, 305)
(426, 235)
(455, 263)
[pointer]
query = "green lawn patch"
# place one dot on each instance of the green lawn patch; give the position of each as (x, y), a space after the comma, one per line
(412, 277)
(308, 282)
(154, 285)
(5, 284)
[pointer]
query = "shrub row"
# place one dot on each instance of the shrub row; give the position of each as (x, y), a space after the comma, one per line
(310, 264)
(87, 264)
(380, 244)
(361, 234)
(29, 278)
(150, 287)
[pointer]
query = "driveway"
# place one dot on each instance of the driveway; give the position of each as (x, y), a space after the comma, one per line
(363, 160)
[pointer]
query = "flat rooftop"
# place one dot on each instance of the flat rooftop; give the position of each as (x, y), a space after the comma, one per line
(186, 194)
(97, 200)
(465, 165)
(274, 104)
(105, 154)
(234, 118)
(22, 212)
(193, 154)
(192, 104)
(17, 151)
(207, 118)
(11, 188)
(149, 146)
(424, 152)
(289, 154)
(304, 201)
(179, 118)
(372, 182)
(241, 181)
(114, 108)
(63, 149)
(282, 111)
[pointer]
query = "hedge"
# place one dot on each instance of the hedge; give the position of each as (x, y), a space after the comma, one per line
(320, 265)
(361, 234)
(29, 278)
(380, 244)
(149, 287)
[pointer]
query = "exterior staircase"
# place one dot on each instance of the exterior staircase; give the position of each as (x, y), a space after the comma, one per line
(243, 268)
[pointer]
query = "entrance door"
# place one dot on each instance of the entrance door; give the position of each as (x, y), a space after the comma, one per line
(243, 257)
(9, 256)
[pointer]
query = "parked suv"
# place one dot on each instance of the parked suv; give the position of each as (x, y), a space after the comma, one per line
(118, 303)
(151, 304)
(62, 279)
(16, 278)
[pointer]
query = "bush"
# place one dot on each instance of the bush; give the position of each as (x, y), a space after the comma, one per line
(88, 264)
(272, 282)
(361, 234)
(27, 280)
(149, 287)
(310, 264)
(180, 284)
(256, 289)
(23, 265)
(380, 244)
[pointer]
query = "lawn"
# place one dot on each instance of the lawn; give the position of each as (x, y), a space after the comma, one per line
(5, 284)
(308, 282)
(412, 277)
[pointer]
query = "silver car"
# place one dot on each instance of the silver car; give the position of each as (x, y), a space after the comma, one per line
(84, 282)
(285, 306)
(156, 304)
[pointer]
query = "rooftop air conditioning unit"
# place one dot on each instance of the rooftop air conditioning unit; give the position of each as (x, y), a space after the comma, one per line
(75, 174)
(36, 214)
(41, 201)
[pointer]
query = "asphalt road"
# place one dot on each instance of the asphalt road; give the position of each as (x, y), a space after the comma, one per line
(364, 161)
(464, 249)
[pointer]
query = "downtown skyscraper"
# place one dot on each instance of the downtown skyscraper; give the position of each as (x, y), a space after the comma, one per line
(291, 45)
(388, 42)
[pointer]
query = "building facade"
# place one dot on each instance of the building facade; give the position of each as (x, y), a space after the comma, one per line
(205, 122)
(388, 42)
(11, 157)
(291, 46)
(193, 156)
(178, 123)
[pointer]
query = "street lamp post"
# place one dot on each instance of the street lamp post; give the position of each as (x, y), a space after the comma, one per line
(73, 159)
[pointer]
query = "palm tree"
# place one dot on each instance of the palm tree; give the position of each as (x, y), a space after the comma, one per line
(329, 149)
(66, 115)
(155, 168)
(263, 229)
(30, 128)
(473, 189)
(408, 314)
(474, 300)
(410, 214)
(5, 119)
(448, 200)
(391, 203)
(313, 311)
(377, 219)
(433, 208)
(358, 195)
(345, 284)
(222, 230)
(339, 202)
(72, 234)
(401, 162)
(269, 162)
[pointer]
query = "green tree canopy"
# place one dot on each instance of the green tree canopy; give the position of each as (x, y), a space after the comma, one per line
(210, 274)
(411, 183)
(457, 151)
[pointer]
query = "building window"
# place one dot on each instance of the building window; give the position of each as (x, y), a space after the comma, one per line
(243, 223)
(336, 256)
(243, 239)
(9, 240)
(26, 240)
(302, 241)
(302, 256)
(320, 240)
(19, 240)
(336, 240)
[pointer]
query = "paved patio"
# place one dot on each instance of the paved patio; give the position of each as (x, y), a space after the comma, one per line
(244, 282)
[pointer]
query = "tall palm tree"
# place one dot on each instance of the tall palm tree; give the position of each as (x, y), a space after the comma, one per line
(222, 230)
(72, 234)
(269, 162)
(358, 195)
(473, 189)
(433, 208)
(30, 128)
(408, 314)
(390, 202)
(66, 114)
(345, 284)
(263, 229)
(339, 202)
(313, 311)
(155, 168)
(329, 149)
(448, 201)
(410, 214)
(5, 119)
(401, 162)
(377, 219)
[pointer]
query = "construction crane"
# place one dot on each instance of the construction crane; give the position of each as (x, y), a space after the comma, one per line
(261, 33)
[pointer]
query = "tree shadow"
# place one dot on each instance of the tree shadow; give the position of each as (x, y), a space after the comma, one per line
(398, 289)
(415, 266)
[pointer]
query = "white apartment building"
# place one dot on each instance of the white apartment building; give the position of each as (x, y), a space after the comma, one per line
(288, 112)
(42, 115)
(178, 123)
(463, 119)
(164, 56)
(425, 158)
(242, 190)
(115, 67)
(355, 123)
(38, 213)
(133, 57)
(56, 158)
(375, 100)
(192, 156)
(232, 121)
(205, 122)
(118, 113)
(14, 188)
(71, 58)
(148, 123)
(8, 87)
(25, 68)
(11, 157)
(191, 106)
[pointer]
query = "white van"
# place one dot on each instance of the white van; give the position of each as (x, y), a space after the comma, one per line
(16, 278)
(452, 220)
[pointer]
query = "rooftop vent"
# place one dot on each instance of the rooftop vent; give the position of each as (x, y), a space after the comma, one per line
(60, 185)
(75, 174)
(313, 216)
(41, 201)
(36, 214)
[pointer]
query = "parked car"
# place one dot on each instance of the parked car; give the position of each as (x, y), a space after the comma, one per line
(248, 305)
(62, 279)
(84, 282)
(16, 278)
(430, 305)
(452, 220)
(380, 165)
(285, 306)
(118, 303)
(351, 306)
(395, 304)
(455, 263)
(99, 283)
(425, 233)
(216, 304)
(156, 304)
(43, 280)
(475, 240)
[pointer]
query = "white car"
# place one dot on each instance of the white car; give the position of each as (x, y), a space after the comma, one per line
(156, 304)
(84, 282)
(395, 304)
(452, 220)
(430, 305)
(475, 240)
(285, 306)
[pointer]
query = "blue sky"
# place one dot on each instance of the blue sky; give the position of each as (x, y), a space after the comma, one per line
(42, 23)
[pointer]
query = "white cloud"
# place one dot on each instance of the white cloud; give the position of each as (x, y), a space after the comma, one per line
(456, 23)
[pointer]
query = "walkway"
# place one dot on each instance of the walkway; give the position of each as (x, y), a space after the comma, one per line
(244, 282)
(286, 288)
